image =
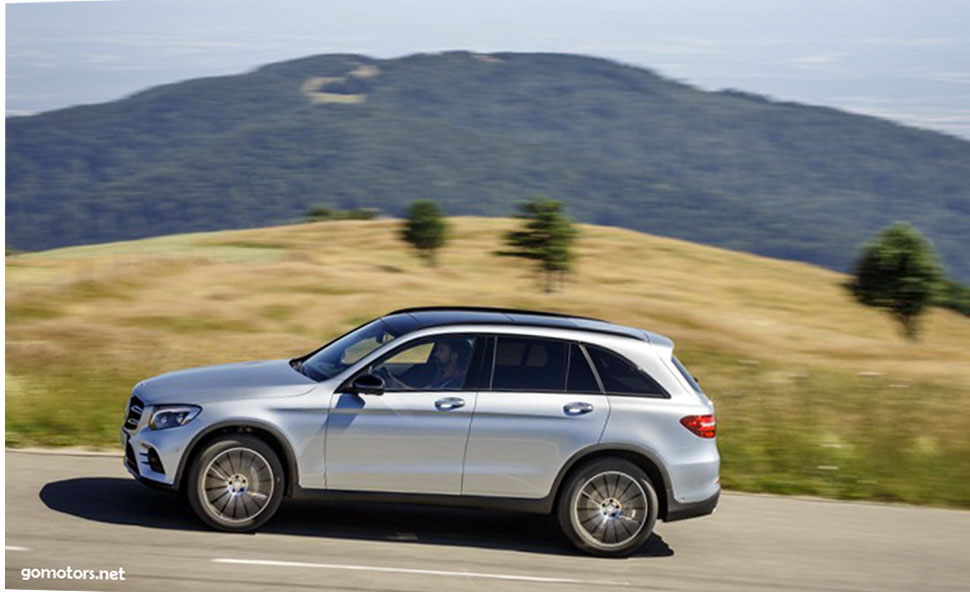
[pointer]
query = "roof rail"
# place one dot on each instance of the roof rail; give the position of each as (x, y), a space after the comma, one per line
(495, 310)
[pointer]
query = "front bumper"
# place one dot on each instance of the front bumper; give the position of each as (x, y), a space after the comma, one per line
(151, 483)
(154, 456)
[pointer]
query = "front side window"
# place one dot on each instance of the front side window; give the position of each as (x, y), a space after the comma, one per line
(438, 364)
(341, 353)
(621, 377)
(526, 364)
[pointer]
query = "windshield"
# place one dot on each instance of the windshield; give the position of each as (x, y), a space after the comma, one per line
(343, 352)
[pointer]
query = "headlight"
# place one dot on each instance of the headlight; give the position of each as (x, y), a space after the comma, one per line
(172, 416)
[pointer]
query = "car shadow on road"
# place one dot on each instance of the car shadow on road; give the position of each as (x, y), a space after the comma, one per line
(123, 501)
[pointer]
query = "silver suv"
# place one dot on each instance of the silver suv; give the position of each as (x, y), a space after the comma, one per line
(597, 423)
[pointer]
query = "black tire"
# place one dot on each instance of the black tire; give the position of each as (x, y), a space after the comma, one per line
(617, 512)
(253, 477)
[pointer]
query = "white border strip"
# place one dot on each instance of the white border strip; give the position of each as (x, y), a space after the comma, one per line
(51, 1)
(423, 572)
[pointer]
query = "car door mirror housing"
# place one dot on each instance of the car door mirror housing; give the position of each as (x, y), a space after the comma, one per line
(368, 384)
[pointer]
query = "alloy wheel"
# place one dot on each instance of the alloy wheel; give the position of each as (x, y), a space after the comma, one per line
(610, 509)
(237, 484)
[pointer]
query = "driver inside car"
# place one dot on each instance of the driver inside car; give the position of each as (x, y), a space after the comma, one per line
(449, 360)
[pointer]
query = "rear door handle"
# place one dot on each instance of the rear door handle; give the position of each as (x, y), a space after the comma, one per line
(577, 408)
(449, 403)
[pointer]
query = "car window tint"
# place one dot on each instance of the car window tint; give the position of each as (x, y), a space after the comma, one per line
(620, 376)
(480, 369)
(581, 379)
(525, 364)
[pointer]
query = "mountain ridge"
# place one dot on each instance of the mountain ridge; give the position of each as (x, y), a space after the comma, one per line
(620, 144)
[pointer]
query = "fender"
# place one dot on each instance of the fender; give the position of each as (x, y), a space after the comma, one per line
(603, 447)
(289, 459)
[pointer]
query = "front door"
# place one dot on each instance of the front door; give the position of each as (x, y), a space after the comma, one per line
(411, 439)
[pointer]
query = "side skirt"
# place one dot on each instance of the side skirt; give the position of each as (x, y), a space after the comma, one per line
(511, 504)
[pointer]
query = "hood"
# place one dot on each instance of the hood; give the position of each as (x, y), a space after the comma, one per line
(273, 378)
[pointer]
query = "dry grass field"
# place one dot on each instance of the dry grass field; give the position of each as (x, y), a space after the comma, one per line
(815, 393)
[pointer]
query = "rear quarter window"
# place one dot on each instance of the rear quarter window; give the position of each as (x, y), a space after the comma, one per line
(620, 376)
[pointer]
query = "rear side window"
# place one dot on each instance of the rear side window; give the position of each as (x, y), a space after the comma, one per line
(525, 364)
(581, 378)
(480, 374)
(621, 377)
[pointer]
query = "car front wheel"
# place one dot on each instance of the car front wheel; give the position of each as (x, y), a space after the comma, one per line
(608, 508)
(235, 483)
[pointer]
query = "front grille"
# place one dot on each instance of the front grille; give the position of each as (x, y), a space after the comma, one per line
(130, 459)
(135, 409)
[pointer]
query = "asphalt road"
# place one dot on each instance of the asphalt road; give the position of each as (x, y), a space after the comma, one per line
(86, 513)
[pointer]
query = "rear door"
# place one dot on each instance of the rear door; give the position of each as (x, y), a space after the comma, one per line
(541, 404)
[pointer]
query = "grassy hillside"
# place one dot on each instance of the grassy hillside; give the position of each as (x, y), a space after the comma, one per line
(622, 145)
(815, 394)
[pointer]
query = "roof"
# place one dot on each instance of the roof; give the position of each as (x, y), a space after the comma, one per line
(490, 309)
(412, 319)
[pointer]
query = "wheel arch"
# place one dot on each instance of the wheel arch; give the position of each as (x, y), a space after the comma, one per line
(644, 459)
(265, 432)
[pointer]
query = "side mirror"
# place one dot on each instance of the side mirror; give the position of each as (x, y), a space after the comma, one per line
(368, 384)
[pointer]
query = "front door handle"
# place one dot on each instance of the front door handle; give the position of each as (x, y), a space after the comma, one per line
(449, 403)
(577, 408)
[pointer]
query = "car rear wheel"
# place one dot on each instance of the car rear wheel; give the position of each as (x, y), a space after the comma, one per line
(235, 483)
(608, 507)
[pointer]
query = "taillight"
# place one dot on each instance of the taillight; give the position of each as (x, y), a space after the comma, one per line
(704, 426)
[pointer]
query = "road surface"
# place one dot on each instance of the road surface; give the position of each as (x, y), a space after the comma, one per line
(85, 512)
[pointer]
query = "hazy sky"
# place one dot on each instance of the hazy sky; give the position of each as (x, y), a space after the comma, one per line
(907, 61)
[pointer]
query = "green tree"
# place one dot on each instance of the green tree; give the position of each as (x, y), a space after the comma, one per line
(318, 213)
(425, 229)
(899, 272)
(322, 212)
(955, 296)
(547, 237)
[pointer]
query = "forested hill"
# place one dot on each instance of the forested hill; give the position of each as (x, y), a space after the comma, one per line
(622, 145)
